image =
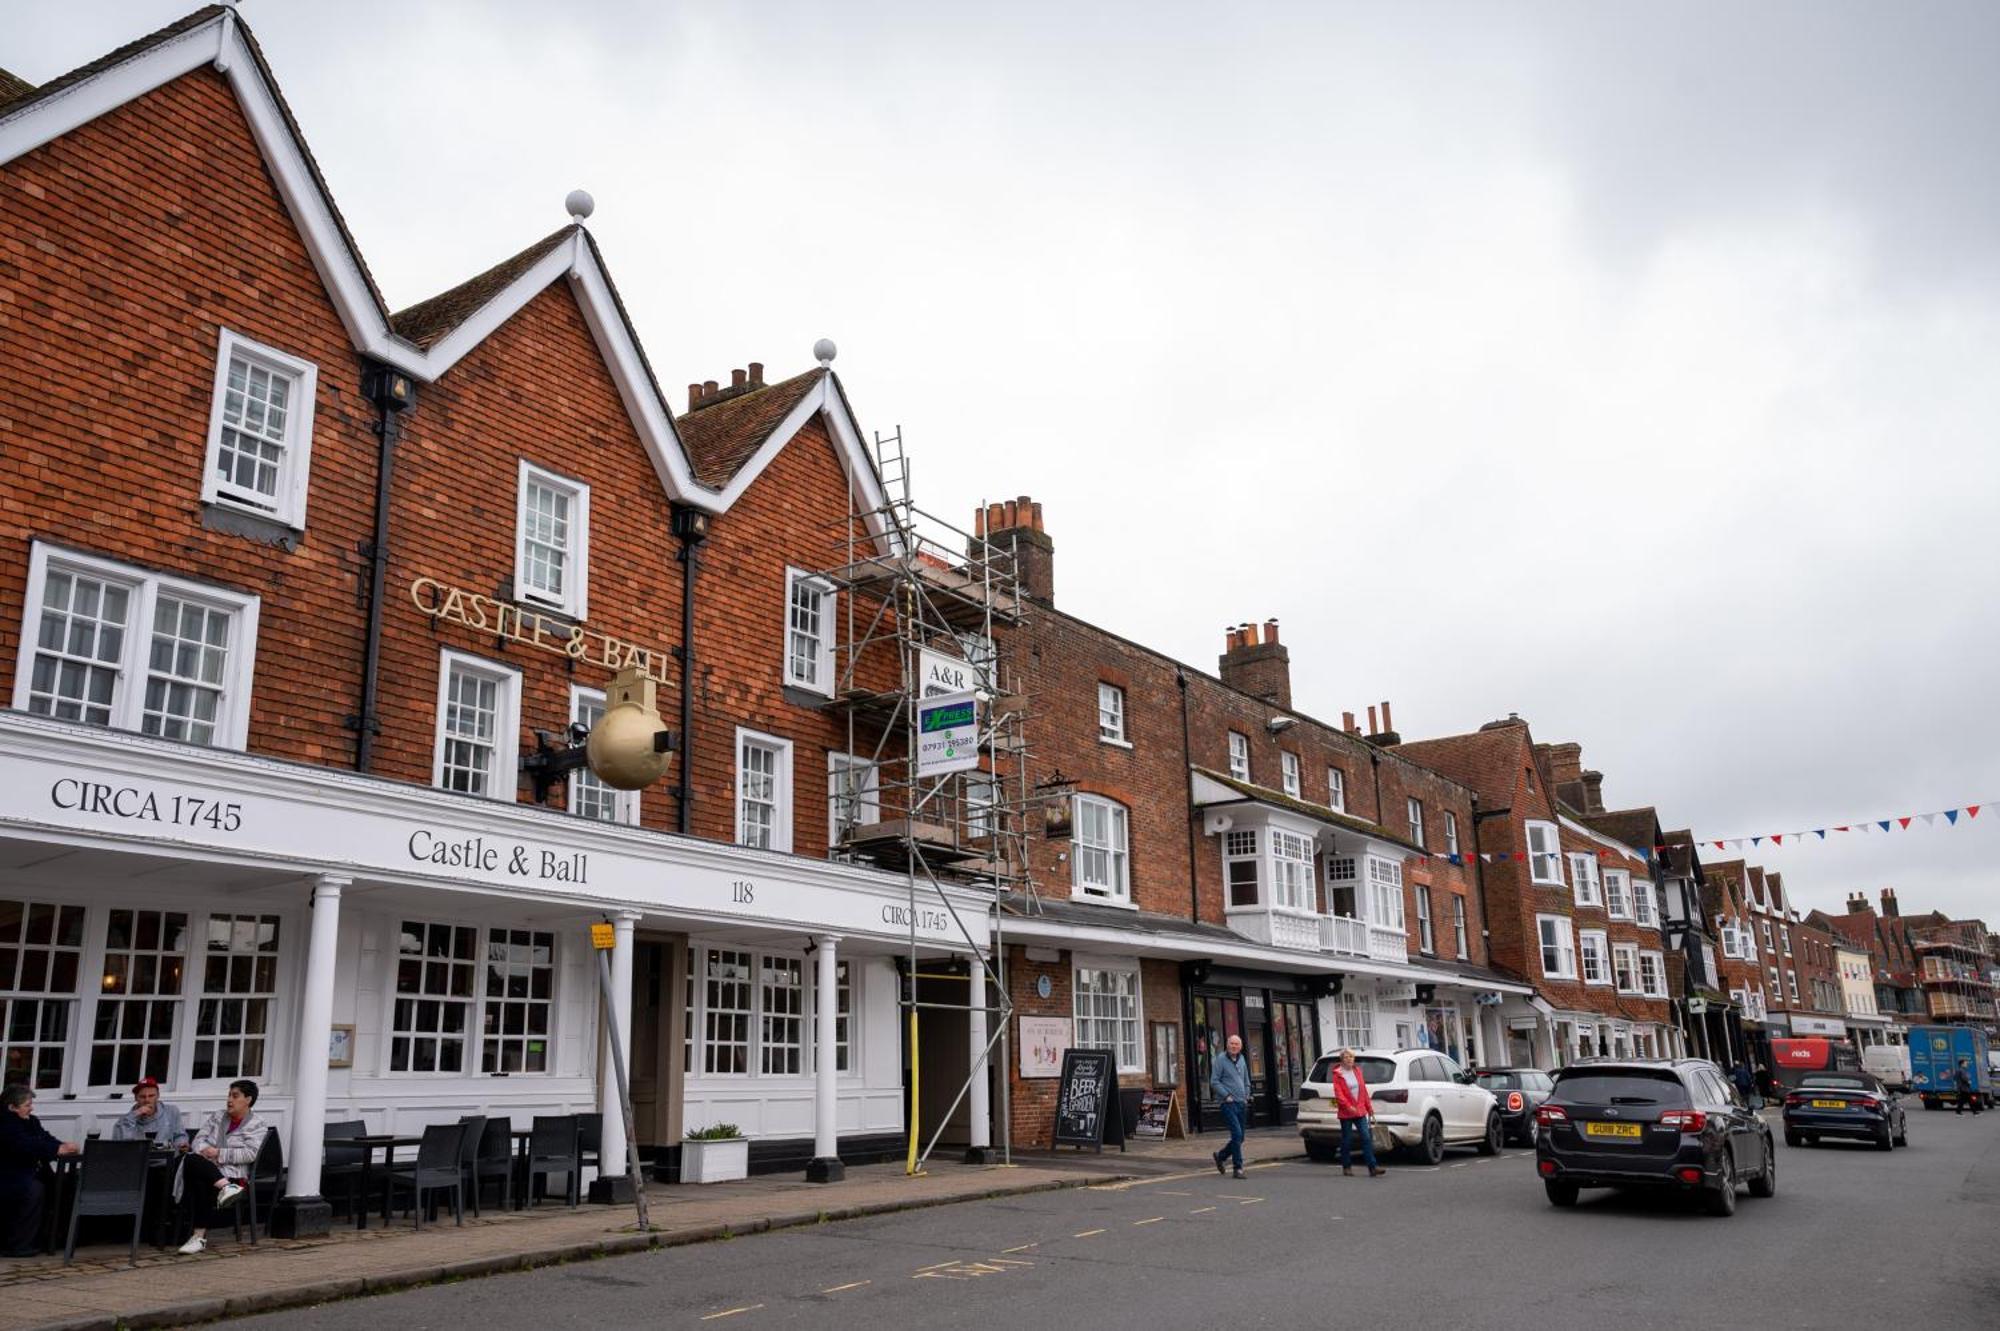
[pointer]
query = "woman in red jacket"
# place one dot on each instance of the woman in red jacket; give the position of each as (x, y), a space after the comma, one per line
(1352, 1103)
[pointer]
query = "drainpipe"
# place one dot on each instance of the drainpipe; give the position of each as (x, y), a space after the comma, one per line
(392, 392)
(691, 527)
(1187, 766)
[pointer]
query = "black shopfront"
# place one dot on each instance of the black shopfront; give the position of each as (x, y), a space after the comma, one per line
(1277, 1016)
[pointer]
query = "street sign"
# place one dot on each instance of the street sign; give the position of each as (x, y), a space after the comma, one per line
(603, 937)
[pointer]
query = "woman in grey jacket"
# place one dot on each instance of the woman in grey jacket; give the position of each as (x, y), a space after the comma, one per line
(218, 1162)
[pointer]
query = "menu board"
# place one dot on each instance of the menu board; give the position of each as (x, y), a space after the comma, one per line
(1160, 1116)
(1084, 1099)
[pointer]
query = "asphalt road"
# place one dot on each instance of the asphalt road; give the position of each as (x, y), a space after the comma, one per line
(1853, 1235)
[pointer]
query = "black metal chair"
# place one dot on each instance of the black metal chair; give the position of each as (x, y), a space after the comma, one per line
(344, 1163)
(492, 1157)
(112, 1182)
(552, 1150)
(267, 1169)
(590, 1142)
(437, 1169)
(468, 1149)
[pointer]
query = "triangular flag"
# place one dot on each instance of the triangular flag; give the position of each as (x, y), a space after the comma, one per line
(1755, 839)
(1520, 857)
(1486, 856)
(1972, 811)
(1951, 816)
(1883, 823)
(1930, 820)
(1841, 828)
(1718, 845)
(1820, 832)
(1778, 840)
(1905, 821)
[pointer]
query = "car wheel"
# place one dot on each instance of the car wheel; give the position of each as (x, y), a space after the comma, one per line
(1490, 1144)
(1560, 1194)
(1793, 1139)
(1721, 1199)
(1902, 1134)
(1766, 1183)
(1323, 1153)
(1429, 1147)
(1883, 1141)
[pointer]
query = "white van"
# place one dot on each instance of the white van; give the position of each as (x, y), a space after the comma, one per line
(1889, 1062)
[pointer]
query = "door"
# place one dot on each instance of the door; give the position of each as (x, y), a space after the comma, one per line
(1256, 1052)
(1467, 1115)
(1217, 1016)
(659, 1027)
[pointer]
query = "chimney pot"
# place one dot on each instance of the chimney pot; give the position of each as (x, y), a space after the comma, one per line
(1270, 630)
(757, 373)
(1013, 514)
(1035, 516)
(1250, 638)
(708, 388)
(1373, 729)
(1387, 724)
(979, 522)
(737, 378)
(1347, 722)
(694, 395)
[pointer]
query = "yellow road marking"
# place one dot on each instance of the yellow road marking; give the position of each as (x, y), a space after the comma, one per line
(1009, 1261)
(1199, 1209)
(1239, 1197)
(837, 1289)
(1153, 1221)
(1250, 1201)
(1022, 1248)
(731, 1312)
(1169, 1192)
(935, 1266)
(1087, 1234)
(1172, 1178)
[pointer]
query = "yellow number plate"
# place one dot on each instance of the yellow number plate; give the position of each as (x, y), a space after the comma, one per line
(1829, 1104)
(1612, 1130)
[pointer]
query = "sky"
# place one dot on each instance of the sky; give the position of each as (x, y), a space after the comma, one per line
(1625, 366)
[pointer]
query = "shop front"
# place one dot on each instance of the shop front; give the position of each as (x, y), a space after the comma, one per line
(1276, 1016)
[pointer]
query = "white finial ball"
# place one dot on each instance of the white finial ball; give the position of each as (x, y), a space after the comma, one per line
(580, 204)
(823, 351)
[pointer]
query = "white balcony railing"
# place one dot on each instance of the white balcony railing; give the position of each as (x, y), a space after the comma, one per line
(1386, 944)
(1276, 926)
(1344, 935)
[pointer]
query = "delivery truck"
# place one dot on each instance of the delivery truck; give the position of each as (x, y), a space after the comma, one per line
(1935, 1052)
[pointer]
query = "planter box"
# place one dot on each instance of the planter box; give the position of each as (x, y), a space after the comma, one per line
(722, 1161)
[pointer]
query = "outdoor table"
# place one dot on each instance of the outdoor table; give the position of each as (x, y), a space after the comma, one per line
(388, 1142)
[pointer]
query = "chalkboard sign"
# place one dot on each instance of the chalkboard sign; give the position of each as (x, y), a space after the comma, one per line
(1084, 1099)
(1159, 1116)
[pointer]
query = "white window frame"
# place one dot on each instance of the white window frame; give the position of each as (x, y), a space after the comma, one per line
(624, 803)
(1594, 945)
(1353, 1022)
(821, 679)
(867, 793)
(1385, 892)
(288, 506)
(503, 777)
(1239, 755)
(1545, 862)
(1136, 1062)
(1336, 789)
(1414, 808)
(1111, 715)
(1583, 872)
(1288, 774)
(1617, 893)
(1450, 832)
(1657, 971)
(128, 697)
(1459, 926)
(1426, 928)
(575, 599)
(1117, 848)
(781, 791)
(1643, 904)
(1291, 874)
(1628, 953)
(1792, 985)
(1564, 947)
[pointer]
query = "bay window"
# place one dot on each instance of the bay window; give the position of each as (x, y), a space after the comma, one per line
(1625, 968)
(1291, 870)
(1653, 975)
(41, 955)
(1385, 884)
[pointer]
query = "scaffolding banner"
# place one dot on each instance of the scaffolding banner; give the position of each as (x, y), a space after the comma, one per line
(947, 734)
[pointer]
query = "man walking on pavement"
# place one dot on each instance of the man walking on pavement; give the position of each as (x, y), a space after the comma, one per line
(1961, 1081)
(1229, 1083)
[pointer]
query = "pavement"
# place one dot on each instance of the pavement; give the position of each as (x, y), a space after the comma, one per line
(231, 1280)
(1854, 1236)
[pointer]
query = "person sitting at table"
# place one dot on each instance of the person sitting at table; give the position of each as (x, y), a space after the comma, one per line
(149, 1118)
(25, 1147)
(215, 1171)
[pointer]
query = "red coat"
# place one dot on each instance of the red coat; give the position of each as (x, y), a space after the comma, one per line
(1351, 1104)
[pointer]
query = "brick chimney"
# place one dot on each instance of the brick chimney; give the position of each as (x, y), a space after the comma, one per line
(1016, 528)
(1593, 792)
(1889, 906)
(1565, 762)
(1857, 903)
(707, 394)
(1259, 665)
(1383, 734)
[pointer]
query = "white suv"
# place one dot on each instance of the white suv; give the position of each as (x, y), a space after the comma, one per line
(1424, 1102)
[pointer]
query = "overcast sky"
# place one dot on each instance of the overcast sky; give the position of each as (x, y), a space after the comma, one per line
(1631, 367)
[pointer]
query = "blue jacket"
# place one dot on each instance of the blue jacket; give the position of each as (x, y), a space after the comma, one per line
(1229, 1078)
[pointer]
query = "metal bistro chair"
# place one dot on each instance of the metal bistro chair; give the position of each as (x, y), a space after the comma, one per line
(436, 1170)
(590, 1142)
(474, 1133)
(112, 1182)
(552, 1150)
(268, 1168)
(492, 1158)
(345, 1162)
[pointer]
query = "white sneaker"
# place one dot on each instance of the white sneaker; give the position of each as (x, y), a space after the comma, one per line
(196, 1243)
(228, 1193)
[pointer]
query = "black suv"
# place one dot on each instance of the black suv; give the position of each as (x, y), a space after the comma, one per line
(1674, 1123)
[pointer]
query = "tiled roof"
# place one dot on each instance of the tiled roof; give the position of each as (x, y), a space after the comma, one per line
(428, 321)
(721, 438)
(1637, 828)
(12, 86)
(1488, 761)
(1266, 795)
(27, 94)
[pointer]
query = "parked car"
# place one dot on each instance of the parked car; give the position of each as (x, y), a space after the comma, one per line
(1890, 1062)
(1844, 1104)
(1652, 1123)
(1424, 1102)
(1519, 1092)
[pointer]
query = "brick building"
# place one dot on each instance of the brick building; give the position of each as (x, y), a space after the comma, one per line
(1884, 935)
(1726, 902)
(298, 582)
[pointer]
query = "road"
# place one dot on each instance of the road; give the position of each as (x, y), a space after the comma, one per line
(1471, 1243)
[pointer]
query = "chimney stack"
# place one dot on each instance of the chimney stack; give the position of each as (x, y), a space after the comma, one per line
(1593, 792)
(1889, 906)
(1347, 723)
(1258, 664)
(1857, 903)
(1015, 527)
(756, 374)
(1372, 726)
(1565, 762)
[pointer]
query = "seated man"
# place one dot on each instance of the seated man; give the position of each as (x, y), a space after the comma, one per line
(150, 1118)
(217, 1168)
(25, 1146)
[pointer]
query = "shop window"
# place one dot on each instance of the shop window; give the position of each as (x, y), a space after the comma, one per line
(843, 1019)
(41, 954)
(1107, 1014)
(782, 1015)
(435, 995)
(728, 1007)
(520, 1000)
(239, 983)
(1353, 1021)
(145, 963)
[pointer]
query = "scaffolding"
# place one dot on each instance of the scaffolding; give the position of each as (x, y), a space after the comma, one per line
(922, 600)
(1953, 965)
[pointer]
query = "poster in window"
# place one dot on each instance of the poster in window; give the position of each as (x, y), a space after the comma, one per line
(340, 1047)
(1166, 1054)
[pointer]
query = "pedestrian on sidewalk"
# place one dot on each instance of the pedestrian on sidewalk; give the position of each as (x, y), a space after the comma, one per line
(1961, 1081)
(215, 1172)
(1746, 1084)
(25, 1148)
(1229, 1083)
(1351, 1101)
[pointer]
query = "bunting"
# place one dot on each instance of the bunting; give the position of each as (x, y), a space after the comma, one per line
(1870, 827)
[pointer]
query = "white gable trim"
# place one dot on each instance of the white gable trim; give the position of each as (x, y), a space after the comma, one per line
(825, 399)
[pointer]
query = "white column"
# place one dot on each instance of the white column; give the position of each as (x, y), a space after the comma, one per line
(306, 1150)
(979, 1144)
(826, 1166)
(617, 1026)
(1545, 1043)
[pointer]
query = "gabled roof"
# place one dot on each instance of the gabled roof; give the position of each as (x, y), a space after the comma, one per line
(721, 439)
(1488, 761)
(1245, 790)
(1638, 828)
(428, 338)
